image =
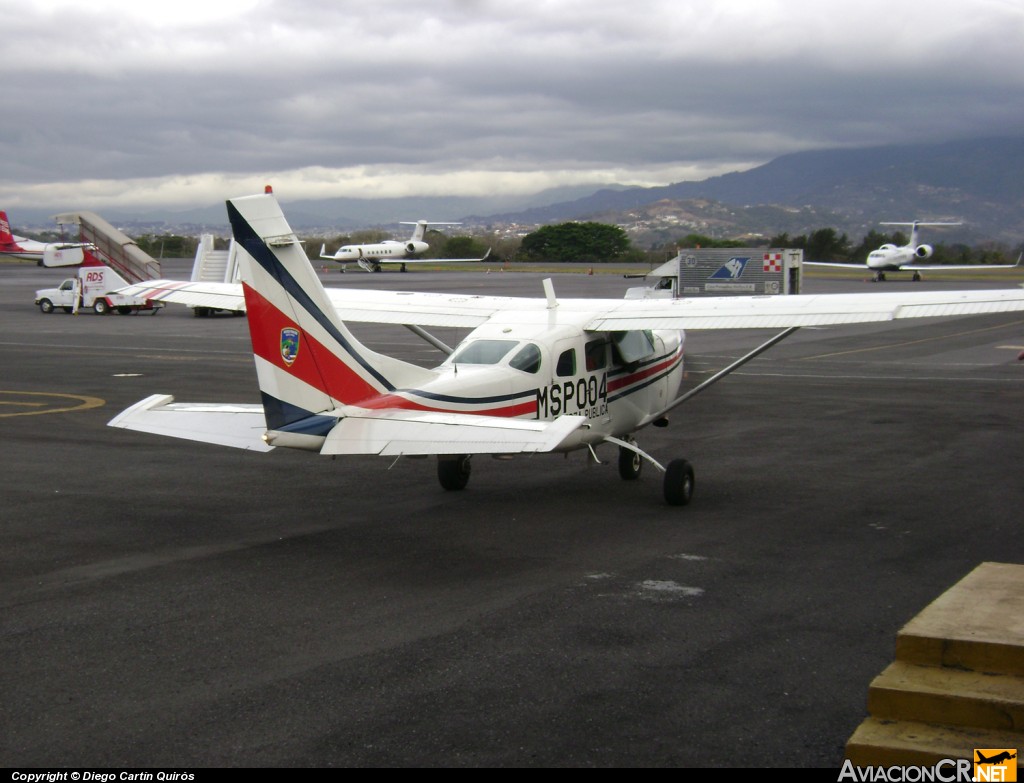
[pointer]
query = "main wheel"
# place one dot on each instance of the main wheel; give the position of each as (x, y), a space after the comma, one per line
(630, 464)
(101, 307)
(679, 482)
(46, 305)
(453, 473)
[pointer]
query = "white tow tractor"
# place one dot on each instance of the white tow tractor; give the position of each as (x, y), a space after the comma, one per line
(92, 289)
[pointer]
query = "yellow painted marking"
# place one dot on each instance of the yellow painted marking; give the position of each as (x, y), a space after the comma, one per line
(82, 403)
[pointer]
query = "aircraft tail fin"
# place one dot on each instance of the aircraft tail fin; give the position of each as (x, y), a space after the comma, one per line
(419, 232)
(6, 237)
(308, 363)
(421, 227)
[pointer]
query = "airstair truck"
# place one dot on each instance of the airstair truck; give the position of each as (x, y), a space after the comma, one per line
(95, 288)
(215, 266)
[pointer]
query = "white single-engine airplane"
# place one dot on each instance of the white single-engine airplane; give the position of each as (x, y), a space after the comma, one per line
(534, 375)
(391, 251)
(903, 258)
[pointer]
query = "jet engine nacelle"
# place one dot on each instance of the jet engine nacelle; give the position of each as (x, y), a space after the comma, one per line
(412, 248)
(923, 251)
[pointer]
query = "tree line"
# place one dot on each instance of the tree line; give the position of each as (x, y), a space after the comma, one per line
(595, 243)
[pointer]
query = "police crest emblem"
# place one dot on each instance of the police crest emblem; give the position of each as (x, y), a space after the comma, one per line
(289, 344)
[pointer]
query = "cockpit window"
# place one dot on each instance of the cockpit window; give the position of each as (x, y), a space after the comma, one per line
(527, 359)
(484, 352)
(596, 355)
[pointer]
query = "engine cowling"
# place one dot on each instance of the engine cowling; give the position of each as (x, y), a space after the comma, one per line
(923, 251)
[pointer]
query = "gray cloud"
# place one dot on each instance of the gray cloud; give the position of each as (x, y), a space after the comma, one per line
(174, 103)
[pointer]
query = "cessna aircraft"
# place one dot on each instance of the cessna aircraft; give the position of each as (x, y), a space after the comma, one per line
(533, 375)
(890, 258)
(391, 251)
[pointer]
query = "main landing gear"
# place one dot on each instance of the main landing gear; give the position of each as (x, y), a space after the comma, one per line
(678, 482)
(453, 471)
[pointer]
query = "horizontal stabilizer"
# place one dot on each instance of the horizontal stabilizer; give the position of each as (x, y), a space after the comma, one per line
(240, 426)
(396, 433)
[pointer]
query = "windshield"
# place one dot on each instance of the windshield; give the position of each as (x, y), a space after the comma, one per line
(484, 351)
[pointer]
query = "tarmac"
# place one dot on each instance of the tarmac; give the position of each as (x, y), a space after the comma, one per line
(177, 605)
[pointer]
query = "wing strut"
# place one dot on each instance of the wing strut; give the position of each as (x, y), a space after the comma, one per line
(722, 373)
(419, 331)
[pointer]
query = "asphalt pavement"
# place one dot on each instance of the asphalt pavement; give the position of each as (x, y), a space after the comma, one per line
(172, 604)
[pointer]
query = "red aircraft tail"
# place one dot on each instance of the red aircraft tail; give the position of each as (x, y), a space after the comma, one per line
(6, 237)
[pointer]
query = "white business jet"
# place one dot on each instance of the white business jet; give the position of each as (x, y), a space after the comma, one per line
(371, 256)
(904, 258)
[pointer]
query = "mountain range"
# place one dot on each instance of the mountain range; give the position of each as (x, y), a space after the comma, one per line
(979, 182)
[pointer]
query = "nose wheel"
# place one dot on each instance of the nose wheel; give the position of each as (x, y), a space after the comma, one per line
(630, 464)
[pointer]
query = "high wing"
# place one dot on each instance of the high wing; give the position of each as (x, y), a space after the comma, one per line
(217, 296)
(692, 313)
(784, 311)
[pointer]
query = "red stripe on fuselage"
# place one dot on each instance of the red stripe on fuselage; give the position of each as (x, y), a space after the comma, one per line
(647, 372)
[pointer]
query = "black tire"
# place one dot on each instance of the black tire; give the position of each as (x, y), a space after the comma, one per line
(453, 473)
(679, 482)
(200, 312)
(123, 310)
(100, 307)
(630, 464)
(45, 305)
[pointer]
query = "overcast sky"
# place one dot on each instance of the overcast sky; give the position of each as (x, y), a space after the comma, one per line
(186, 103)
